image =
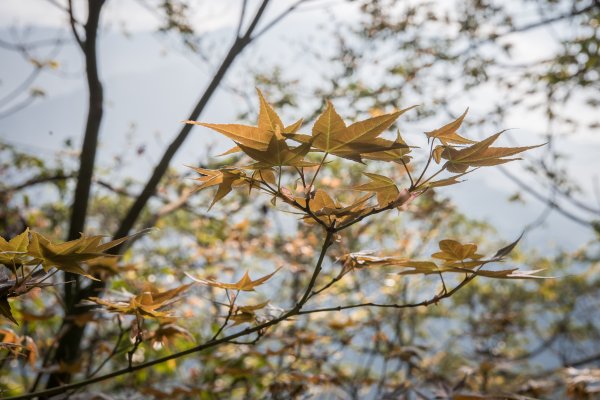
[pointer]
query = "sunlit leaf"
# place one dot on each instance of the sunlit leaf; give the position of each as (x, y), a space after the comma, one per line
(225, 179)
(244, 284)
(384, 187)
(451, 251)
(480, 154)
(447, 133)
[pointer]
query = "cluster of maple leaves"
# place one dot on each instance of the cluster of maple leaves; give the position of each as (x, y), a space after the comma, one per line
(270, 146)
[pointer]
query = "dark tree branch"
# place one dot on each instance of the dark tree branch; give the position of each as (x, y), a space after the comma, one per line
(36, 181)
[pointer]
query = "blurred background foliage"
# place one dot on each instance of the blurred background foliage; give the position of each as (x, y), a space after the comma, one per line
(493, 339)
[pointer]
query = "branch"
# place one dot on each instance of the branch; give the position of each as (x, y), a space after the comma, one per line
(278, 18)
(528, 27)
(68, 347)
(317, 270)
(551, 203)
(423, 303)
(241, 21)
(36, 181)
(72, 23)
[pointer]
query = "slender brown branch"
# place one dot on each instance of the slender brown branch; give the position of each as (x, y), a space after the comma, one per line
(278, 18)
(317, 270)
(73, 25)
(423, 303)
(241, 21)
(36, 181)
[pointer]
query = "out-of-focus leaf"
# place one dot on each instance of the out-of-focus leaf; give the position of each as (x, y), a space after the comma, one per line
(244, 284)
(503, 252)
(5, 310)
(447, 133)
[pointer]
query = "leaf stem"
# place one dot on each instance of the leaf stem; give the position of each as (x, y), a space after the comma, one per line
(426, 166)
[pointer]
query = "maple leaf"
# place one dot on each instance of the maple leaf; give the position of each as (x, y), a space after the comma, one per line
(267, 117)
(13, 251)
(279, 154)
(147, 304)
(480, 154)
(363, 259)
(252, 307)
(513, 273)
(249, 136)
(253, 137)
(165, 333)
(331, 135)
(447, 133)
(246, 313)
(69, 256)
(245, 284)
(225, 178)
(452, 251)
(396, 151)
(384, 187)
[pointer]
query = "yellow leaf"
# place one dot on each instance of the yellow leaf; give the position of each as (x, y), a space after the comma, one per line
(326, 127)
(253, 307)
(278, 153)
(451, 251)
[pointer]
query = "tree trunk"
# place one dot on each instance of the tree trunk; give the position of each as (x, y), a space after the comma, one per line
(68, 345)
